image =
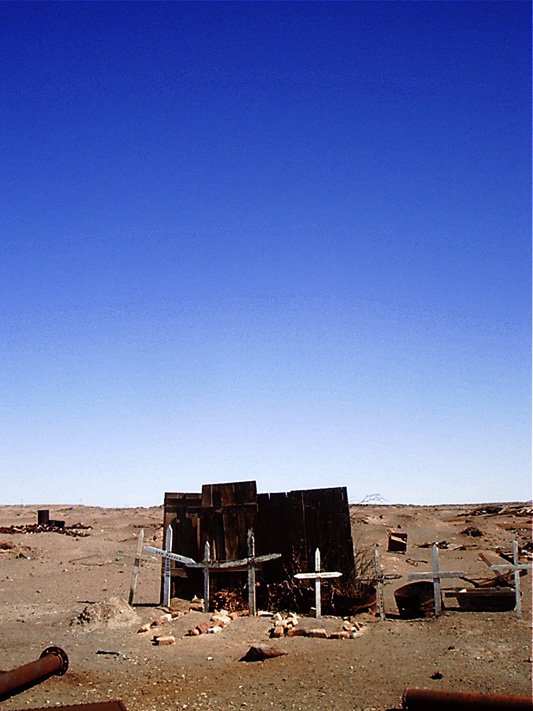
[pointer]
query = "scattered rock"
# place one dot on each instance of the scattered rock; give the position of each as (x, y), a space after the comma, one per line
(318, 632)
(260, 652)
(164, 640)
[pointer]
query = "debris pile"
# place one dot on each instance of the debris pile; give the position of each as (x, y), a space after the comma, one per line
(218, 621)
(113, 614)
(78, 530)
(288, 626)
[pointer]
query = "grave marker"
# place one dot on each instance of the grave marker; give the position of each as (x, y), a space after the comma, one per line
(436, 575)
(136, 566)
(516, 567)
(249, 563)
(380, 579)
(317, 576)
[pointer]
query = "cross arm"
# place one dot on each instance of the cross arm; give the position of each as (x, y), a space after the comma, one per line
(170, 556)
(431, 575)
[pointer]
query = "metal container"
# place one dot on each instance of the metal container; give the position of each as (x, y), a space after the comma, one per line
(415, 599)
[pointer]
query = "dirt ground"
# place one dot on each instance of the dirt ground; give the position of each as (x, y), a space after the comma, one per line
(47, 579)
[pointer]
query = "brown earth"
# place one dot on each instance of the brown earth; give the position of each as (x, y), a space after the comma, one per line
(47, 579)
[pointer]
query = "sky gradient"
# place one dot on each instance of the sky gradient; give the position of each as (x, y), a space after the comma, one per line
(272, 241)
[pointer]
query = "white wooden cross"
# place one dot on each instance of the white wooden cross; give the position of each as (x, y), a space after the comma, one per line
(516, 567)
(436, 574)
(317, 576)
(250, 563)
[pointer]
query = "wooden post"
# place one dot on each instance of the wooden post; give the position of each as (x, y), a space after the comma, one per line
(379, 583)
(436, 579)
(318, 586)
(205, 566)
(166, 568)
(436, 575)
(136, 566)
(251, 573)
(516, 567)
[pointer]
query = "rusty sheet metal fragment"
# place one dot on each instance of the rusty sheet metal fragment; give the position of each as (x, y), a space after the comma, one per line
(428, 699)
(52, 661)
(397, 542)
(114, 705)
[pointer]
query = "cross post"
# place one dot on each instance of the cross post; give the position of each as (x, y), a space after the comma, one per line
(516, 567)
(166, 568)
(380, 578)
(317, 576)
(136, 566)
(436, 575)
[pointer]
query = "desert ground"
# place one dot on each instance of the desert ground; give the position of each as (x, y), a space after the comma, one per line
(48, 579)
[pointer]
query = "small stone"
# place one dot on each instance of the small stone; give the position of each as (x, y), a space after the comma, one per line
(318, 632)
(277, 631)
(144, 628)
(165, 639)
(215, 629)
(296, 632)
(260, 652)
(194, 632)
(202, 628)
(343, 634)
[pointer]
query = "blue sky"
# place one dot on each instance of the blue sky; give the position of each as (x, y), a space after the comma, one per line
(287, 242)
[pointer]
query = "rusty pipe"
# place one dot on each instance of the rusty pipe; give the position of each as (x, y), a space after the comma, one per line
(52, 661)
(428, 699)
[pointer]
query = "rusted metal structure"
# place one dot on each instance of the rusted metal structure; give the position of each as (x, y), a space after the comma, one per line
(415, 599)
(430, 700)
(294, 524)
(52, 661)
(113, 705)
(397, 542)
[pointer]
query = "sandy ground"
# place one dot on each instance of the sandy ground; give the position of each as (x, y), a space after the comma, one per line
(47, 579)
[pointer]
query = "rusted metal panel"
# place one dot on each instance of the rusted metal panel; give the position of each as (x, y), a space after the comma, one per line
(485, 599)
(432, 700)
(52, 661)
(397, 542)
(114, 705)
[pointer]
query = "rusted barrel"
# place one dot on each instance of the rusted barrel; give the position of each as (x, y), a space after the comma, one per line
(52, 661)
(430, 700)
(415, 599)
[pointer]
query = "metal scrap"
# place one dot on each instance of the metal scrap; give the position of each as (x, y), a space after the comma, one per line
(52, 661)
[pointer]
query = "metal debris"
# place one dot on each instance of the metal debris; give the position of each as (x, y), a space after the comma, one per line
(52, 661)
(423, 699)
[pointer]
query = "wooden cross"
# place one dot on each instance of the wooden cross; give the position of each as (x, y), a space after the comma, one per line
(250, 563)
(317, 576)
(436, 574)
(516, 567)
(380, 578)
(136, 566)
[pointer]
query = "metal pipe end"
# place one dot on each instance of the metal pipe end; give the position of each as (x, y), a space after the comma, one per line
(62, 656)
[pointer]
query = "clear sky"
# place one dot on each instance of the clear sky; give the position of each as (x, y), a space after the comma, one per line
(283, 242)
